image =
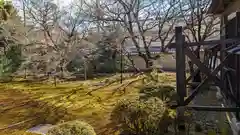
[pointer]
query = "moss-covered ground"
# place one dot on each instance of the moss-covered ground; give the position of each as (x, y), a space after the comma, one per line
(25, 104)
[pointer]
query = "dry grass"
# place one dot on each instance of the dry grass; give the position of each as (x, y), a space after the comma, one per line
(44, 103)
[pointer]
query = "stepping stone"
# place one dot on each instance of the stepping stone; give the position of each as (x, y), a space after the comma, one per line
(41, 129)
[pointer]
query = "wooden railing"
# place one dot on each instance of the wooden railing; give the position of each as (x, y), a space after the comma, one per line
(215, 68)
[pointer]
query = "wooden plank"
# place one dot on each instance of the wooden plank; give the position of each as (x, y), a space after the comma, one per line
(213, 108)
(197, 83)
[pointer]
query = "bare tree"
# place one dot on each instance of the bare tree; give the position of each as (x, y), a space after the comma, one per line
(61, 33)
(167, 16)
(135, 17)
(200, 26)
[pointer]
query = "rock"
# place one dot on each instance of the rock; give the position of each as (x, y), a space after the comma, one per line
(41, 129)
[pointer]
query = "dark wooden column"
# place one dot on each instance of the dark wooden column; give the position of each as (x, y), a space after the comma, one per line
(238, 24)
(181, 76)
(180, 64)
(223, 26)
(237, 88)
(237, 64)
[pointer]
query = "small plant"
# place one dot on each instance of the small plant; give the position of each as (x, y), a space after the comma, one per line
(72, 128)
(136, 117)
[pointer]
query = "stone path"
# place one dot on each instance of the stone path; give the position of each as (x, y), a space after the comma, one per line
(210, 120)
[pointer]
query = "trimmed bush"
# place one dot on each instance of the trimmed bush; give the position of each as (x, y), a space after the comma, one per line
(155, 85)
(72, 128)
(164, 92)
(135, 117)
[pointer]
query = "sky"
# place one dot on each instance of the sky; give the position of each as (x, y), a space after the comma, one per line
(62, 3)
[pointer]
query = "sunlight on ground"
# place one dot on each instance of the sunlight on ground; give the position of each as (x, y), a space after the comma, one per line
(39, 103)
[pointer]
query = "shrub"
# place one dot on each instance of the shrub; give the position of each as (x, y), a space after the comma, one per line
(72, 128)
(153, 87)
(164, 92)
(135, 117)
(10, 62)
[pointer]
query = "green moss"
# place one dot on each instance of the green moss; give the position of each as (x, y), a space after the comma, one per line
(69, 98)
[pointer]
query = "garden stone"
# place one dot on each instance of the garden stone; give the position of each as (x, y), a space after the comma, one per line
(41, 129)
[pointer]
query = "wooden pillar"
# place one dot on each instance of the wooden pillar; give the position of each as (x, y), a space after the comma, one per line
(238, 24)
(237, 64)
(223, 26)
(181, 76)
(180, 64)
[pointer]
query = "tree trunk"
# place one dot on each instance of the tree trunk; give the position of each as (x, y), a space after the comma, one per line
(55, 80)
(25, 73)
(61, 70)
(147, 63)
(85, 71)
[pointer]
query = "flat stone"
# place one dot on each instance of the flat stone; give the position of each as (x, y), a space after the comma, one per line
(41, 129)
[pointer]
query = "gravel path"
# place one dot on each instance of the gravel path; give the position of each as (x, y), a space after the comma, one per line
(210, 120)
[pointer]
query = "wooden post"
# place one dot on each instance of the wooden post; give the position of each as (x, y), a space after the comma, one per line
(180, 64)
(238, 24)
(181, 76)
(237, 63)
(223, 26)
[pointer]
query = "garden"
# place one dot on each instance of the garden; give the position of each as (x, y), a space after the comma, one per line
(86, 69)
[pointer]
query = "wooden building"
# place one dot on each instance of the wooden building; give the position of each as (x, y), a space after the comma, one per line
(225, 76)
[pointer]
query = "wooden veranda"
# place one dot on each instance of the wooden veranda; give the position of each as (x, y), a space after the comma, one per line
(225, 75)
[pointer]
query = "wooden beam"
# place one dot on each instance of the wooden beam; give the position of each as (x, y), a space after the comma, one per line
(194, 73)
(205, 43)
(197, 62)
(197, 83)
(213, 108)
(232, 7)
(198, 88)
(195, 91)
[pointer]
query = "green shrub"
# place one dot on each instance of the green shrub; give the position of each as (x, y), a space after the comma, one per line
(153, 86)
(136, 117)
(10, 62)
(72, 128)
(165, 93)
